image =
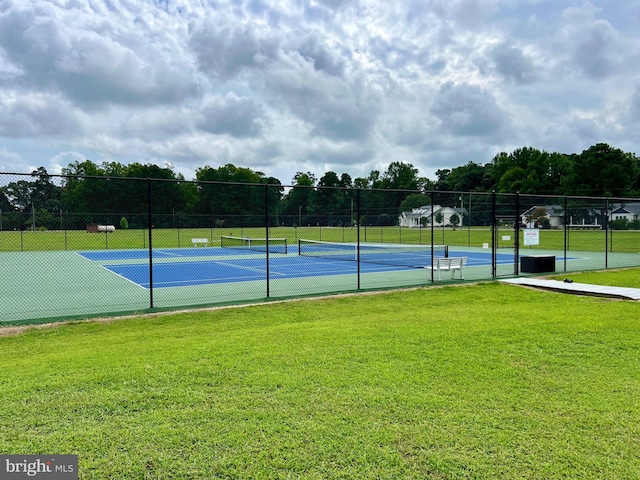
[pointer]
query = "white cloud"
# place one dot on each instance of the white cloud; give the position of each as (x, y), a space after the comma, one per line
(37, 114)
(8, 159)
(92, 59)
(312, 85)
(467, 110)
(239, 117)
(513, 64)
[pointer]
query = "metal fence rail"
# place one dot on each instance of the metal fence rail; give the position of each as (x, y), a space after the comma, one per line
(86, 246)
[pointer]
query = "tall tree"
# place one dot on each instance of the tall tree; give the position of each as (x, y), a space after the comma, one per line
(84, 195)
(166, 195)
(414, 200)
(442, 183)
(298, 204)
(38, 199)
(331, 199)
(602, 170)
(401, 176)
(232, 200)
(466, 178)
(403, 179)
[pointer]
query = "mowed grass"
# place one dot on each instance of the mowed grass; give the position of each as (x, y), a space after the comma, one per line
(484, 381)
(619, 278)
(620, 241)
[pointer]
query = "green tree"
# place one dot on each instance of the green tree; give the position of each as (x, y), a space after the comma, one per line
(45, 194)
(38, 200)
(191, 198)
(466, 178)
(345, 180)
(602, 170)
(326, 197)
(166, 194)
(442, 183)
(400, 179)
(84, 195)
(414, 200)
(400, 176)
(297, 204)
(385, 219)
(227, 193)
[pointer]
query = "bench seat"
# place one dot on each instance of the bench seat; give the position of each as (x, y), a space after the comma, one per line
(200, 241)
(452, 264)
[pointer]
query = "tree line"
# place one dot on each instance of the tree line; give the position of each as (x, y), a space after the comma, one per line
(228, 196)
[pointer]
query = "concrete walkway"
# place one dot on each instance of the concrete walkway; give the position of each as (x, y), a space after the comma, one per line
(577, 288)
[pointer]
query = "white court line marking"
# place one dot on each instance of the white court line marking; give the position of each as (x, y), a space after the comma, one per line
(242, 267)
(122, 276)
(170, 254)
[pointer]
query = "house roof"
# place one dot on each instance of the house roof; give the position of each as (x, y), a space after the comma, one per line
(621, 210)
(425, 211)
(633, 208)
(552, 210)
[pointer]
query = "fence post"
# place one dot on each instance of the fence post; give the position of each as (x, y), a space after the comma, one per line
(468, 221)
(606, 234)
(516, 267)
(432, 234)
(494, 235)
(566, 233)
(266, 233)
(358, 234)
(150, 226)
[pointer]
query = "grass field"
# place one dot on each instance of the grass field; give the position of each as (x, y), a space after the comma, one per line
(621, 241)
(620, 278)
(481, 381)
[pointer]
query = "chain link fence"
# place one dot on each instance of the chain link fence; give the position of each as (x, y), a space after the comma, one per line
(87, 246)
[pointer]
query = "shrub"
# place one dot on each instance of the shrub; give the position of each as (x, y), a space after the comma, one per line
(620, 224)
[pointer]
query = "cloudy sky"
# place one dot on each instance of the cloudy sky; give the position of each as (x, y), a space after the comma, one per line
(282, 86)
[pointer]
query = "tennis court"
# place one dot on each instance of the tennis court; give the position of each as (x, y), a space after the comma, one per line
(182, 267)
(46, 285)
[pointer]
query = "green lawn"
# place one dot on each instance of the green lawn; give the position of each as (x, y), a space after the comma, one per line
(621, 241)
(485, 381)
(620, 278)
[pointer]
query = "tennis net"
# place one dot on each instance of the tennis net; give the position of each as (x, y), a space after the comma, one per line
(273, 245)
(401, 255)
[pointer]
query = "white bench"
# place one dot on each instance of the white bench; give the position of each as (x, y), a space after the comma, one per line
(452, 264)
(200, 241)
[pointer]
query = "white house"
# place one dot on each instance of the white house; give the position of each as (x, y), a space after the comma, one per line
(629, 212)
(538, 213)
(422, 216)
(588, 217)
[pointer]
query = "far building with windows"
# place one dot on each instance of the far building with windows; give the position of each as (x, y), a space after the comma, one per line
(539, 215)
(552, 216)
(629, 212)
(437, 216)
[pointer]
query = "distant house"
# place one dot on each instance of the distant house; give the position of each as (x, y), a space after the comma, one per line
(423, 216)
(536, 215)
(629, 212)
(587, 218)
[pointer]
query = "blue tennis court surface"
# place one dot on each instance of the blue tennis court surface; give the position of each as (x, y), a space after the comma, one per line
(213, 265)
